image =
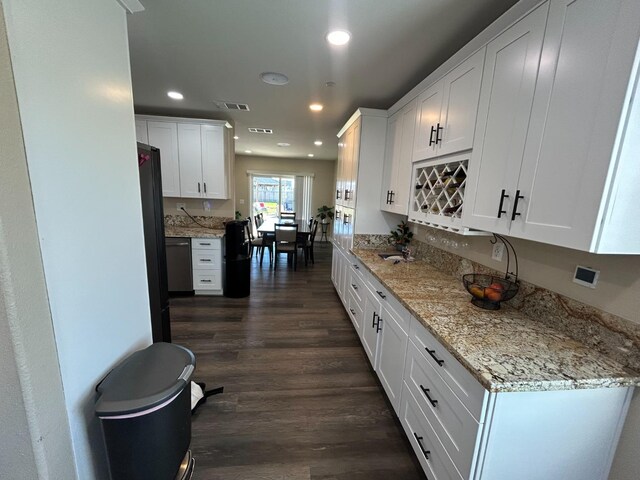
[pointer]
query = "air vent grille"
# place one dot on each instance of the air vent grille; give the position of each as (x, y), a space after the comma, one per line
(243, 107)
(260, 130)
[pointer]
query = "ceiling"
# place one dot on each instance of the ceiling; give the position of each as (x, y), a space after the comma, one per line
(213, 50)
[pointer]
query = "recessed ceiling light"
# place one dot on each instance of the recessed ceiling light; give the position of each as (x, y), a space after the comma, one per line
(338, 37)
(284, 144)
(318, 142)
(175, 95)
(310, 155)
(274, 78)
(316, 107)
(248, 151)
(236, 137)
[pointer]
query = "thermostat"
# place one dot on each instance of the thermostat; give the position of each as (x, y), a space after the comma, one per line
(585, 276)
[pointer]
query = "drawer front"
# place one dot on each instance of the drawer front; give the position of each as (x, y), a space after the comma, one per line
(389, 301)
(458, 379)
(456, 428)
(206, 243)
(354, 309)
(207, 280)
(357, 267)
(430, 452)
(206, 259)
(356, 284)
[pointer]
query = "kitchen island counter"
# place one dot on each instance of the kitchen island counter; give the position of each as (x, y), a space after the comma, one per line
(505, 350)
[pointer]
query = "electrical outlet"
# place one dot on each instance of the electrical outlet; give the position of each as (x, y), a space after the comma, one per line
(206, 205)
(180, 206)
(241, 201)
(497, 252)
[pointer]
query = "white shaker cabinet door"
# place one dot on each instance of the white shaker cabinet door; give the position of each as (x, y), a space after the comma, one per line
(370, 327)
(427, 121)
(391, 354)
(460, 106)
(142, 135)
(392, 152)
(588, 57)
(402, 164)
(190, 153)
(214, 172)
(164, 135)
(508, 85)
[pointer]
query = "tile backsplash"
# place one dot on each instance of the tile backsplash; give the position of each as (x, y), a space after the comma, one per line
(185, 221)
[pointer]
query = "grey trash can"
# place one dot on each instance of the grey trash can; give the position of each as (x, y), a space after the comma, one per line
(144, 406)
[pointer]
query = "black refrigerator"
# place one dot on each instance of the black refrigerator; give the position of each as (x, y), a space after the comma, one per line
(154, 244)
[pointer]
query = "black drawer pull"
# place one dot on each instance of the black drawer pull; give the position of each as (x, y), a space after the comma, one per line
(382, 295)
(379, 325)
(353, 312)
(373, 324)
(515, 213)
(356, 266)
(433, 355)
(355, 287)
(426, 393)
(438, 129)
(433, 130)
(426, 453)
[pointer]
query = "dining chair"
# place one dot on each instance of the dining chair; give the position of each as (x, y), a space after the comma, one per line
(258, 244)
(311, 223)
(307, 246)
(286, 241)
(287, 215)
(257, 222)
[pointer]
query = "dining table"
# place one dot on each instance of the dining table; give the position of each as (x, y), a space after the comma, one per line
(269, 226)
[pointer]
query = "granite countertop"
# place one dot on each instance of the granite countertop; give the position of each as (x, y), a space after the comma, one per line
(505, 350)
(192, 231)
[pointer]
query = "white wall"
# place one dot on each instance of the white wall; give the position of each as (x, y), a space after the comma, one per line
(71, 68)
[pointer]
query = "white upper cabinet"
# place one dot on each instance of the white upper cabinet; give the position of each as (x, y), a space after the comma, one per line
(570, 186)
(447, 110)
(214, 168)
(164, 136)
(142, 135)
(190, 155)
(508, 85)
(196, 155)
(397, 168)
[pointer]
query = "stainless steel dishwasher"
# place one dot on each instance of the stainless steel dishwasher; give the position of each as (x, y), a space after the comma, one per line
(179, 273)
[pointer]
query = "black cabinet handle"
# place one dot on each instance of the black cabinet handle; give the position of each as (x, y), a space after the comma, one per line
(198, 187)
(426, 393)
(379, 325)
(426, 453)
(515, 213)
(392, 194)
(382, 295)
(503, 195)
(438, 129)
(355, 287)
(338, 194)
(346, 194)
(433, 355)
(356, 266)
(353, 312)
(373, 324)
(205, 187)
(433, 130)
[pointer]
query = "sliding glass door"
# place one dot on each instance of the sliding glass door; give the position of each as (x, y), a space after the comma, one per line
(273, 194)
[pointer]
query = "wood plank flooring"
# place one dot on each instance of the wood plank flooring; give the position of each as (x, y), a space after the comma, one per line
(301, 401)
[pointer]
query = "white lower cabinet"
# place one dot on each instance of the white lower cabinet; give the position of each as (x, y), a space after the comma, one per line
(206, 259)
(457, 428)
(391, 352)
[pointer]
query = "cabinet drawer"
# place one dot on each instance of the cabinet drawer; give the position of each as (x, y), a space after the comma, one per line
(430, 452)
(207, 280)
(206, 243)
(354, 309)
(356, 284)
(458, 379)
(206, 259)
(389, 301)
(456, 428)
(358, 268)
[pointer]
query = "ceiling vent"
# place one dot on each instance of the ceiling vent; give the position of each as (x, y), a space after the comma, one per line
(260, 130)
(243, 107)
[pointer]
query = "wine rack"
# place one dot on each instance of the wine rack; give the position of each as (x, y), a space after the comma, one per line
(437, 199)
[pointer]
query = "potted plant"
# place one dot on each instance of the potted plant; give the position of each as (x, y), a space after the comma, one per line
(401, 236)
(325, 213)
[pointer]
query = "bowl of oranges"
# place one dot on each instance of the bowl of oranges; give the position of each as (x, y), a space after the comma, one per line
(488, 290)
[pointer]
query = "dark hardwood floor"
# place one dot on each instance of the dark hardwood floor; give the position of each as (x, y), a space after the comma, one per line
(300, 399)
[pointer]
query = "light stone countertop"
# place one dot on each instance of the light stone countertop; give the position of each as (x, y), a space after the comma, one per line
(192, 232)
(505, 350)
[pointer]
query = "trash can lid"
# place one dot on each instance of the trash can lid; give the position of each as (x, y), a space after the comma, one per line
(144, 380)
